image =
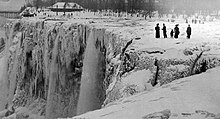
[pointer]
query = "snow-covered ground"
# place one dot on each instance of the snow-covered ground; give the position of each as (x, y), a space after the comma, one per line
(205, 35)
(195, 97)
(202, 35)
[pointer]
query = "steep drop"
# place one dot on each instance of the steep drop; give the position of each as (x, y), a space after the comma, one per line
(92, 93)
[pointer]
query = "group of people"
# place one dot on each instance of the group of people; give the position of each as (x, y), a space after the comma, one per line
(174, 32)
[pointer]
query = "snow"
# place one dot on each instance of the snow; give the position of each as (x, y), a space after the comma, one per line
(69, 5)
(204, 36)
(140, 79)
(200, 92)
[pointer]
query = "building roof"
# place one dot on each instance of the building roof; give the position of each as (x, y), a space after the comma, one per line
(68, 5)
(11, 5)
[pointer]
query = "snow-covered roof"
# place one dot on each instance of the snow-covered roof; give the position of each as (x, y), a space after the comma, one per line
(30, 10)
(69, 5)
(11, 5)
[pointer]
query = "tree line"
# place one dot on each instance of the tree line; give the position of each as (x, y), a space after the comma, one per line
(95, 5)
(132, 6)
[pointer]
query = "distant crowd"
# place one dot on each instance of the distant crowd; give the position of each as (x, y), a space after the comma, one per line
(173, 33)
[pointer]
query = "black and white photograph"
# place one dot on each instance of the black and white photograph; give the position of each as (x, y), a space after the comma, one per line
(109, 59)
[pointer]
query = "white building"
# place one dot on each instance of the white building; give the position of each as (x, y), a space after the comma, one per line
(66, 7)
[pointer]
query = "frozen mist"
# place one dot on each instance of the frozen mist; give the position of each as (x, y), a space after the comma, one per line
(92, 93)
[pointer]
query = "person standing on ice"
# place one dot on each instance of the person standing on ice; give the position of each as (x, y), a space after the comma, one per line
(171, 33)
(164, 31)
(176, 31)
(157, 28)
(188, 31)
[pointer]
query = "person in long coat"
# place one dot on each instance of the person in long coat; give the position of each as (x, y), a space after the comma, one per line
(157, 28)
(164, 31)
(171, 33)
(188, 31)
(176, 31)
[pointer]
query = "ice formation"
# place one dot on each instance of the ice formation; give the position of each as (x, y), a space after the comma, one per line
(59, 68)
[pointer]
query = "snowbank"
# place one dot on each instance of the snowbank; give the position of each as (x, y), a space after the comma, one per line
(195, 97)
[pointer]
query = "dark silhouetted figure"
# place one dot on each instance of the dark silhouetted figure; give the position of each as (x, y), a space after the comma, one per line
(171, 33)
(186, 20)
(176, 31)
(188, 31)
(164, 31)
(195, 21)
(157, 28)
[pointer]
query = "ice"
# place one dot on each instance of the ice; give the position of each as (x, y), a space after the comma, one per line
(73, 63)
